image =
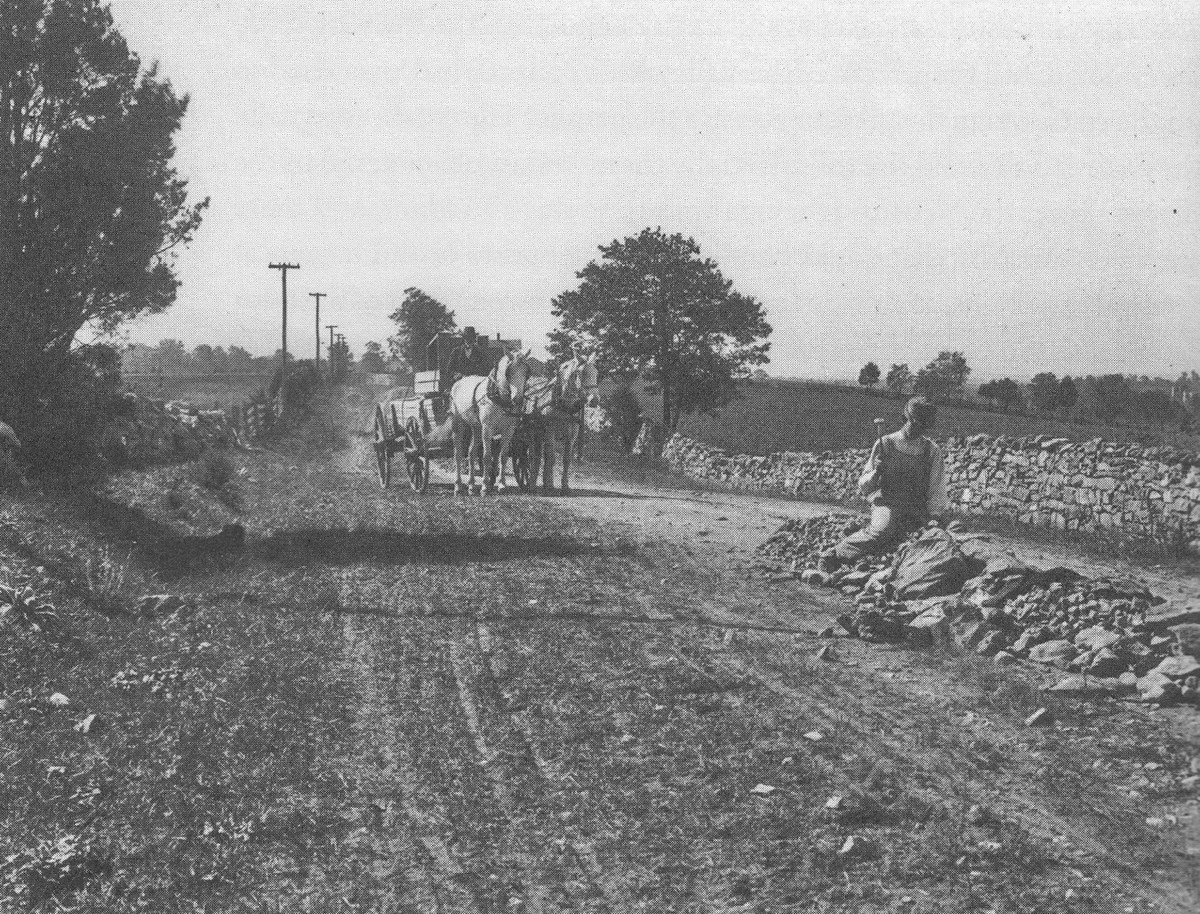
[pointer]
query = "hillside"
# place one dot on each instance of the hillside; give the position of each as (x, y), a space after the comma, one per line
(806, 416)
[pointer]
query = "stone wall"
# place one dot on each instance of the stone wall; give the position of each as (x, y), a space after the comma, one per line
(1051, 482)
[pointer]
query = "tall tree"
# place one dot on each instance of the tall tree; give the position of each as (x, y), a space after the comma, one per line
(898, 378)
(239, 359)
(652, 306)
(91, 209)
(372, 357)
(1068, 393)
(869, 376)
(944, 377)
(1005, 392)
(418, 320)
(1043, 392)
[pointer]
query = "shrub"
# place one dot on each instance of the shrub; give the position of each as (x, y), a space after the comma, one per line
(302, 383)
(213, 471)
(60, 415)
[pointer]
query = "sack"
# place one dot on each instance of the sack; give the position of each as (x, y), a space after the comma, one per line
(931, 565)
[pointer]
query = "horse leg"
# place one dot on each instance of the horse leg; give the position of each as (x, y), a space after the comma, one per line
(548, 445)
(534, 451)
(568, 447)
(454, 434)
(475, 458)
(485, 464)
(505, 451)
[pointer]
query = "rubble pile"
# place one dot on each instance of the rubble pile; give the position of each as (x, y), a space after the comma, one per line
(1098, 631)
(152, 430)
(800, 541)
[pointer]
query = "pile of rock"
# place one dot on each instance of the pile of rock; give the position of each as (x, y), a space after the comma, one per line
(800, 541)
(152, 430)
(1098, 630)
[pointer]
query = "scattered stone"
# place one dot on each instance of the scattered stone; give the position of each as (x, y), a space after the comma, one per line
(1105, 663)
(58, 700)
(1165, 694)
(873, 625)
(834, 802)
(1179, 667)
(1053, 653)
(1095, 638)
(1039, 718)
(763, 790)
(827, 632)
(827, 653)
(814, 736)
(1004, 658)
(1188, 637)
(931, 625)
(1031, 638)
(857, 847)
(969, 634)
(813, 577)
(1085, 685)
(85, 725)
(990, 644)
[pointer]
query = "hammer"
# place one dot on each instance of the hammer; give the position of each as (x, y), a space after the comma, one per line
(879, 429)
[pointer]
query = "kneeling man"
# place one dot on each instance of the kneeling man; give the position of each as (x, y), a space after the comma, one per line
(905, 481)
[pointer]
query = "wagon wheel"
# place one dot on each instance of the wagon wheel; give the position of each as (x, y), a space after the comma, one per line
(416, 456)
(383, 448)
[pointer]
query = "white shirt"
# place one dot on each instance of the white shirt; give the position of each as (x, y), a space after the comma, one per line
(937, 500)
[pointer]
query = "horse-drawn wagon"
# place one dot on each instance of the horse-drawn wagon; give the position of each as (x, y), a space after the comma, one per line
(419, 425)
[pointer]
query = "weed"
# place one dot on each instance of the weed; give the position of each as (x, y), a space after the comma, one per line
(106, 581)
(26, 607)
(213, 471)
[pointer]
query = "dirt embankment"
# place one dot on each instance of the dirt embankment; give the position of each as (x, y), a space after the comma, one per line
(555, 704)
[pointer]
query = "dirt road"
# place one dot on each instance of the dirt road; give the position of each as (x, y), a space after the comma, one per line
(595, 703)
(617, 761)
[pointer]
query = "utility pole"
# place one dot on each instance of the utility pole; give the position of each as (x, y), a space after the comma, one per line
(283, 268)
(330, 327)
(318, 296)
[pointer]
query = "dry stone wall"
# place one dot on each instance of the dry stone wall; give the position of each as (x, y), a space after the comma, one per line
(1093, 485)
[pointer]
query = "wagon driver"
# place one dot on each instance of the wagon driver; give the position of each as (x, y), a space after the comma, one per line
(470, 358)
(905, 481)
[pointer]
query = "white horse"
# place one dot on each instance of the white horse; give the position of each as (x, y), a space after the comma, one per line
(487, 407)
(576, 386)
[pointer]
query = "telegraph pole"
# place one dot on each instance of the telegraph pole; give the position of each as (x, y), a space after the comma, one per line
(318, 296)
(330, 327)
(283, 268)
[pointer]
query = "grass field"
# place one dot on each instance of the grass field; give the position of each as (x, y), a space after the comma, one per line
(204, 392)
(798, 416)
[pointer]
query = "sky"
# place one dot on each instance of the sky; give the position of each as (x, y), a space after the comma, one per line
(1020, 182)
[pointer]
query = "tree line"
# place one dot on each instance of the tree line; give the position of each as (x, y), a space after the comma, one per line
(1104, 399)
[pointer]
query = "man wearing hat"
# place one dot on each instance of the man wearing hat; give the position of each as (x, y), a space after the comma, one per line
(905, 481)
(470, 358)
